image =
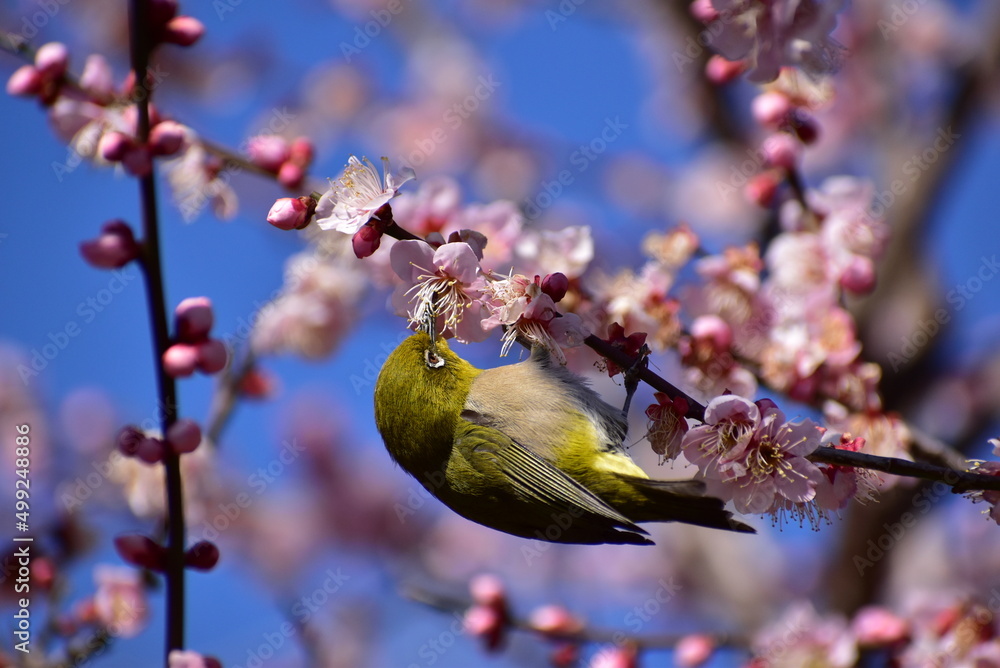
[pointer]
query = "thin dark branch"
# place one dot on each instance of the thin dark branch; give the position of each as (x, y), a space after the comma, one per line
(167, 388)
(695, 409)
(959, 481)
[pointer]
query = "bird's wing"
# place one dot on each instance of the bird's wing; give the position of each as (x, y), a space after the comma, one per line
(532, 476)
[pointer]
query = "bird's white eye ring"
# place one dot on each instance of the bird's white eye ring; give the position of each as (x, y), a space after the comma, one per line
(432, 360)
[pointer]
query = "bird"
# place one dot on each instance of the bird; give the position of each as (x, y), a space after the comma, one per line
(525, 448)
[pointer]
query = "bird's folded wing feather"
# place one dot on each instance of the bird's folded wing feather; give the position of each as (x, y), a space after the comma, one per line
(530, 474)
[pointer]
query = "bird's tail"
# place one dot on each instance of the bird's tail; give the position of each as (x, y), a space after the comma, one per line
(678, 501)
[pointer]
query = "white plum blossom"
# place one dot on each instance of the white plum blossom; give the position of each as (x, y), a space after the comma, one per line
(352, 200)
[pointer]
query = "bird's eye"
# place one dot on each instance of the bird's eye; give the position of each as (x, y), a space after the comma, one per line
(432, 359)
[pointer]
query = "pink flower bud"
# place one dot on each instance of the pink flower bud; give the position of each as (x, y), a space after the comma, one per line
(875, 626)
(291, 213)
(565, 655)
(113, 146)
(616, 657)
(52, 59)
(268, 152)
(114, 248)
(150, 450)
(771, 109)
(97, 78)
(212, 356)
(704, 11)
(183, 30)
(184, 436)
(291, 175)
(693, 651)
(804, 126)
(713, 330)
(180, 360)
(781, 150)
(301, 151)
(555, 285)
(202, 556)
(486, 622)
(25, 81)
(858, 277)
(762, 188)
(166, 138)
(141, 551)
(129, 439)
(554, 619)
(138, 161)
(193, 319)
(366, 241)
(487, 590)
(43, 572)
(720, 71)
(256, 384)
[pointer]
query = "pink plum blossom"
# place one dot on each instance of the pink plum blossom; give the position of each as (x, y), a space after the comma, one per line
(730, 423)
(315, 308)
(443, 282)
(642, 302)
(520, 304)
(120, 600)
(554, 619)
(568, 251)
(667, 425)
(357, 194)
(771, 34)
(988, 496)
(749, 453)
(803, 638)
(196, 178)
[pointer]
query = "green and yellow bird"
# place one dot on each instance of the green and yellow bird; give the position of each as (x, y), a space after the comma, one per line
(527, 448)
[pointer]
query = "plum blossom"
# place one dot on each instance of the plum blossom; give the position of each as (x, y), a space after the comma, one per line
(526, 310)
(445, 282)
(803, 638)
(315, 309)
(851, 238)
(988, 496)
(667, 425)
(196, 178)
(567, 251)
(770, 34)
(435, 209)
(357, 194)
(730, 423)
(188, 659)
(774, 467)
(732, 281)
(751, 454)
(641, 302)
(840, 484)
(120, 601)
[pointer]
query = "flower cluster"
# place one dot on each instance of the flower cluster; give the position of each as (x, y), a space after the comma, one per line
(929, 630)
(766, 35)
(747, 452)
(193, 348)
(446, 277)
(99, 122)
